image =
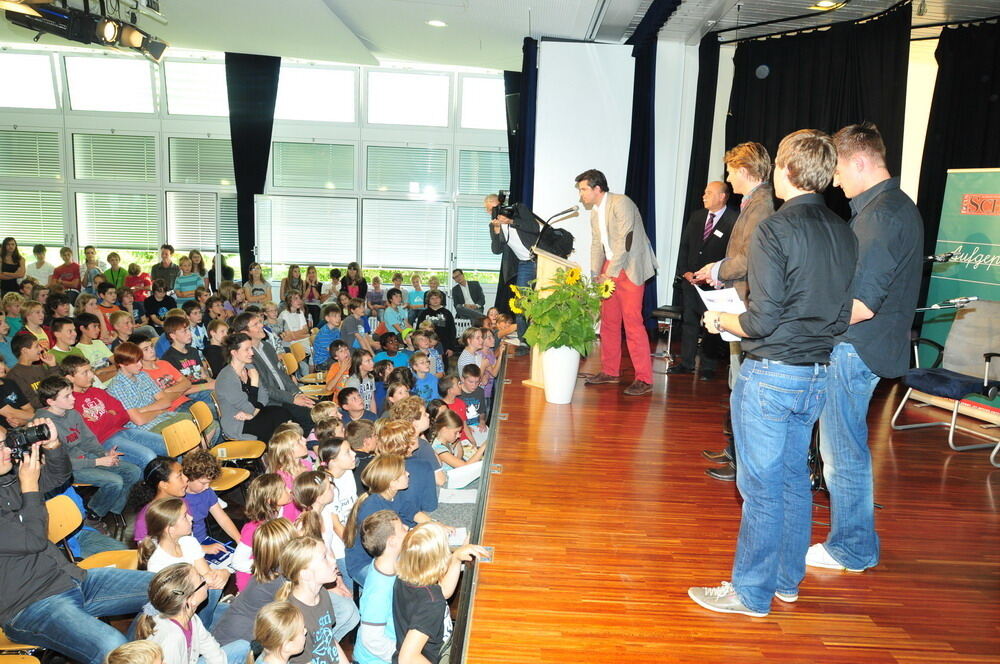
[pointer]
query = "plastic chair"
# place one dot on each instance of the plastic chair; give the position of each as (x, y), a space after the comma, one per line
(230, 450)
(64, 520)
(291, 366)
(181, 437)
(230, 478)
(954, 374)
(17, 659)
(298, 351)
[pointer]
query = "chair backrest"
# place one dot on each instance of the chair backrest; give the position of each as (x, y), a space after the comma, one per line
(976, 330)
(202, 415)
(291, 366)
(64, 518)
(298, 350)
(181, 437)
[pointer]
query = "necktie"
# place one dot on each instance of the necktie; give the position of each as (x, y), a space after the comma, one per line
(709, 225)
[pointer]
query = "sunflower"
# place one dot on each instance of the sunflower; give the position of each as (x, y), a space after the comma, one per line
(513, 306)
(572, 275)
(516, 291)
(606, 289)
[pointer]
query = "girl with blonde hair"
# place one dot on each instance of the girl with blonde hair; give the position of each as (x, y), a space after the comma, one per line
(266, 496)
(307, 565)
(136, 652)
(280, 630)
(426, 576)
(288, 457)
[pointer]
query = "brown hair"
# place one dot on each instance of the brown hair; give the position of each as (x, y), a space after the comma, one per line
(394, 437)
(201, 463)
(376, 530)
(296, 557)
(377, 476)
(864, 138)
(359, 431)
(174, 323)
(446, 418)
(262, 497)
(269, 541)
(809, 157)
(751, 156)
(308, 487)
(168, 591)
(127, 353)
(160, 515)
(407, 410)
(276, 624)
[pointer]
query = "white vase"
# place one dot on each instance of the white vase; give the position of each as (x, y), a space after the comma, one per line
(560, 367)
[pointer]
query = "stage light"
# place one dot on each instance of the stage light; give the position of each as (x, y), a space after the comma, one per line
(827, 5)
(132, 37)
(107, 30)
(18, 8)
(437, 23)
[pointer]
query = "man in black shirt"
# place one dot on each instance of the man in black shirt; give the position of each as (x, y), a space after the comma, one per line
(801, 263)
(513, 238)
(886, 284)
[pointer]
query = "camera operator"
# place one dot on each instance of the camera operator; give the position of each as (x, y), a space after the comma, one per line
(513, 231)
(45, 600)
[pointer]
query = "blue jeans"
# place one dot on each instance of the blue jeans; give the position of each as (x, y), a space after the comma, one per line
(847, 462)
(113, 485)
(137, 446)
(345, 615)
(68, 622)
(774, 407)
(525, 273)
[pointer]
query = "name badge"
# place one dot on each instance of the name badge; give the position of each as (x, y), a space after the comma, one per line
(717, 233)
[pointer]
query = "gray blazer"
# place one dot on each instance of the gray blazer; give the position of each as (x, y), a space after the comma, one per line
(232, 399)
(282, 392)
(627, 237)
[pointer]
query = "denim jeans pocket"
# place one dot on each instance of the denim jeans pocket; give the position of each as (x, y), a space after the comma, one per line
(858, 379)
(778, 403)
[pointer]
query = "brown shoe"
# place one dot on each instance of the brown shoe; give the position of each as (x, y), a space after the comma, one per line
(601, 378)
(638, 388)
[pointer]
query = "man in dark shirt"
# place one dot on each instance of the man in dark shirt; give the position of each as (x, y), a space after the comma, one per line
(801, 263)
(166, 269)
(886, 284)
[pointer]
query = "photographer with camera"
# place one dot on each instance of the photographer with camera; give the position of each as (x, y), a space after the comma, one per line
(45, 600)
(513, 231)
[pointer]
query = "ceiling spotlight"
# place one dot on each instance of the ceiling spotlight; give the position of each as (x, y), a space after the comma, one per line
(436, 23)
(107, 30)
(132, 37)
(18, 8)
(828, 5)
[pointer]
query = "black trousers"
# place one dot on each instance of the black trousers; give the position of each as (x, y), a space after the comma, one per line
(712, 346)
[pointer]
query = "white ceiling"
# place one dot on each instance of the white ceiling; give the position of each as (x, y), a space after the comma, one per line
(480, 33)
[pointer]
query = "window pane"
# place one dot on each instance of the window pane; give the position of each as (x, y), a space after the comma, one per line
(109, 84)
(191, 218)
(229, 234)
(484, 103)
(307, 229)
(481, 173)
(196, 88)
(412, 170)
(322, 95)
(32, 217)
(118, 221)
(408, 99)
(114, 157)
(404, 234)
(313, 166)
(26, 81)
(201, 161)
(29, 154)
(472, 251)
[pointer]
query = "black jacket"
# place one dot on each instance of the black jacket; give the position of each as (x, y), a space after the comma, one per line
(527, 230)
(695, 253)
(475, 290)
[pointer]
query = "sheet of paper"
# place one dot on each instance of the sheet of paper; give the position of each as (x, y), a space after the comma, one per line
(726, 300)
(458, 496)
(463, 475)
(458, 537)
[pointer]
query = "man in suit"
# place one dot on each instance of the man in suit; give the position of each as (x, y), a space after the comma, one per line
(468, 297)
(619, 252)
(513, 237)
(272, 372)
(704, 241)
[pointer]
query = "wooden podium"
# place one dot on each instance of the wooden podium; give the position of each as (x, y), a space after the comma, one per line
(545, 271)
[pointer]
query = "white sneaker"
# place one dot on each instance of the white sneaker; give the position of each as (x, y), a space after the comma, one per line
(786, 597)
(818, 556)
(722, 599)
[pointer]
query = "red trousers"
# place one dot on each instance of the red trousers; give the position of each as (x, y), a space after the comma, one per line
(625, 307)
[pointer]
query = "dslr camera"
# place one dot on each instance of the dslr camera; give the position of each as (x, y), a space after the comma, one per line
(19, 441)
(503, 207)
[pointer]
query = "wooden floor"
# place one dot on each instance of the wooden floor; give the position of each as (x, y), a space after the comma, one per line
(602, 518)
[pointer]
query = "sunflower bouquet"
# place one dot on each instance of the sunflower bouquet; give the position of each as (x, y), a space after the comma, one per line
(563, 312)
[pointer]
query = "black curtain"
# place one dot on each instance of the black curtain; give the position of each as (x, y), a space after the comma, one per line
(252, 84)
(824, 80)
(521, 137)
(701, 137)
(963, 130)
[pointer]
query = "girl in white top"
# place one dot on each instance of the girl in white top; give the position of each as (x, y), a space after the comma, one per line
(280, 629)
(175, 593)
(293, 322)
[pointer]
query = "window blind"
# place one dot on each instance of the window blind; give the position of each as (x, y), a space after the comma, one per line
(481, 172)
(32, 217)
(201, 161)
(196, 218)
(472, 241)
(405, 169)
(114, 157)
(313, 166)
(404, 234)
(29, 154)
(229, 234)
(307, 229)
(119, 221)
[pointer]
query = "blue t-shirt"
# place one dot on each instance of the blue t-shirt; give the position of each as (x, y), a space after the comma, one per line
(421, 496)
(376, 609)
(357, 558)
(416, 298)
(366, 415)
(427, 387)
(198, 506)
(321, 344)
(162, 344)
(392, 317)
(400, 359)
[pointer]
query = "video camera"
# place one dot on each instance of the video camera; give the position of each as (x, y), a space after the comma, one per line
(503, 207)
(19, 441)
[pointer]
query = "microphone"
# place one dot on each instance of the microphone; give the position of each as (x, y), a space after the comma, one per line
(574, 208)
(956, 302)
(940, 258)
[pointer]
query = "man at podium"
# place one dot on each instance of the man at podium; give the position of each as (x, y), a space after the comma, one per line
(620, 252)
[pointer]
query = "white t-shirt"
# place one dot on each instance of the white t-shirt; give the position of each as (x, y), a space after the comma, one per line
(293, 322)
(190, 552)
(40, 274)
(345, 496)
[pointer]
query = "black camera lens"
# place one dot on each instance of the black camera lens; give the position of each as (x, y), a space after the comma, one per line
(19, 441)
